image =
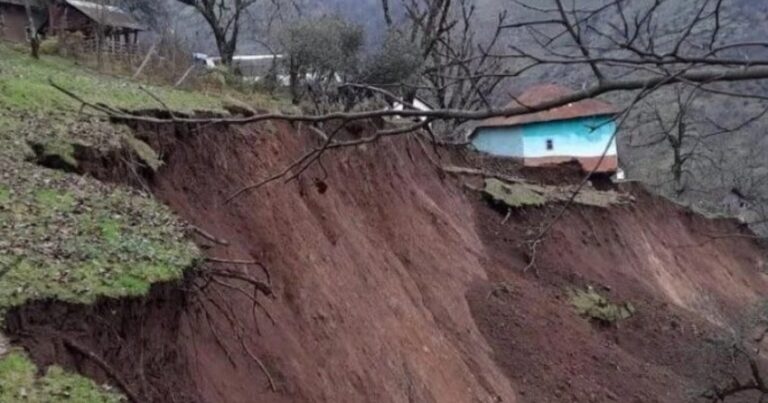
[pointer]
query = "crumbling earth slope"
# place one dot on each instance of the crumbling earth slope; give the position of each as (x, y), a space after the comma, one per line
(393, 282)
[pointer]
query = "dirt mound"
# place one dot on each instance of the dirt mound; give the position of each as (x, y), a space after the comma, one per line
(394, 283)
(688, 279)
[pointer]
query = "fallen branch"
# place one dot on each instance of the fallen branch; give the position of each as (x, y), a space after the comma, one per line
(600, 88)
(306, 160)
(159, 100)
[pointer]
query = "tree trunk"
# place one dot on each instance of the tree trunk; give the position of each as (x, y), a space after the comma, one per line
(227, 55)
(34, 45)
(226, 50)
(34, 40)
(677, 171)
(293, 71)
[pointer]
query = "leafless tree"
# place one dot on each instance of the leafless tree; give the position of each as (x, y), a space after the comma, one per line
(151, 12)
(745, 375)
(673, 120)
(453, 68)
(740, 178)
(224, 18)
(615, 47)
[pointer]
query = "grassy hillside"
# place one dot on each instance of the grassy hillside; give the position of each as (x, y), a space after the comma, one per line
(68, 237)
(24, 84)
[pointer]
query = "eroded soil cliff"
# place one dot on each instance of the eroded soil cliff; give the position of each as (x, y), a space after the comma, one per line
(394, 282)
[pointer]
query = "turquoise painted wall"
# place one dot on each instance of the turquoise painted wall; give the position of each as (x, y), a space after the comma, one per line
(503, 141)
(583, 137)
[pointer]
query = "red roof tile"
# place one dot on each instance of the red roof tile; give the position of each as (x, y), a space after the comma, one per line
(548, 92)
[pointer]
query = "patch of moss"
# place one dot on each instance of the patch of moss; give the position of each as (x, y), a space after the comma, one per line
(590, 304)
(512, 195)
(19, 383)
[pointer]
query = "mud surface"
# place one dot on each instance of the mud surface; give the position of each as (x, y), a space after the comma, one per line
(393, 283)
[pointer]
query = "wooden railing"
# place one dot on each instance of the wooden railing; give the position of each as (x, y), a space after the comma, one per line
(109, 46)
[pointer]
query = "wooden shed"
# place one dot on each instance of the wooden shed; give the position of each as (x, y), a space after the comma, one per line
(89, 18)
(14, 21)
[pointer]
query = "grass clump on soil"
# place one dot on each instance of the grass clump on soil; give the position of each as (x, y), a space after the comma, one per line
(56, 149)
(518, 195)
(590, 304)
(74, 239)
(67, 237)
(24, 85)
(19, 382)
(144, 151)
(512, 195)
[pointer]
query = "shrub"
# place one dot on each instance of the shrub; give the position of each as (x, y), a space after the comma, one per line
(50, 46)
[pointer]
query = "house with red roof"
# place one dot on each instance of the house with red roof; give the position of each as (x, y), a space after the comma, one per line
(583, 131)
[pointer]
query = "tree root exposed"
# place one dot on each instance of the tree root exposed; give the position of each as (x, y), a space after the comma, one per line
(233, 280)
(111, 373)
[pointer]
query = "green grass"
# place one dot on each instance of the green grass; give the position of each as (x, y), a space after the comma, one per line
(68, 237)
(24, 86)
(74, 239)
(19, 382)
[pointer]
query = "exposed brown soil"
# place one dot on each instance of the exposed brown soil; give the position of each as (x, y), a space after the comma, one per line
(394, 283)
(589, 164)
(138, 338)
(676, 268)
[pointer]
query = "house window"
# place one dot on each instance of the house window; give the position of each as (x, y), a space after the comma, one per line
(550, 145)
